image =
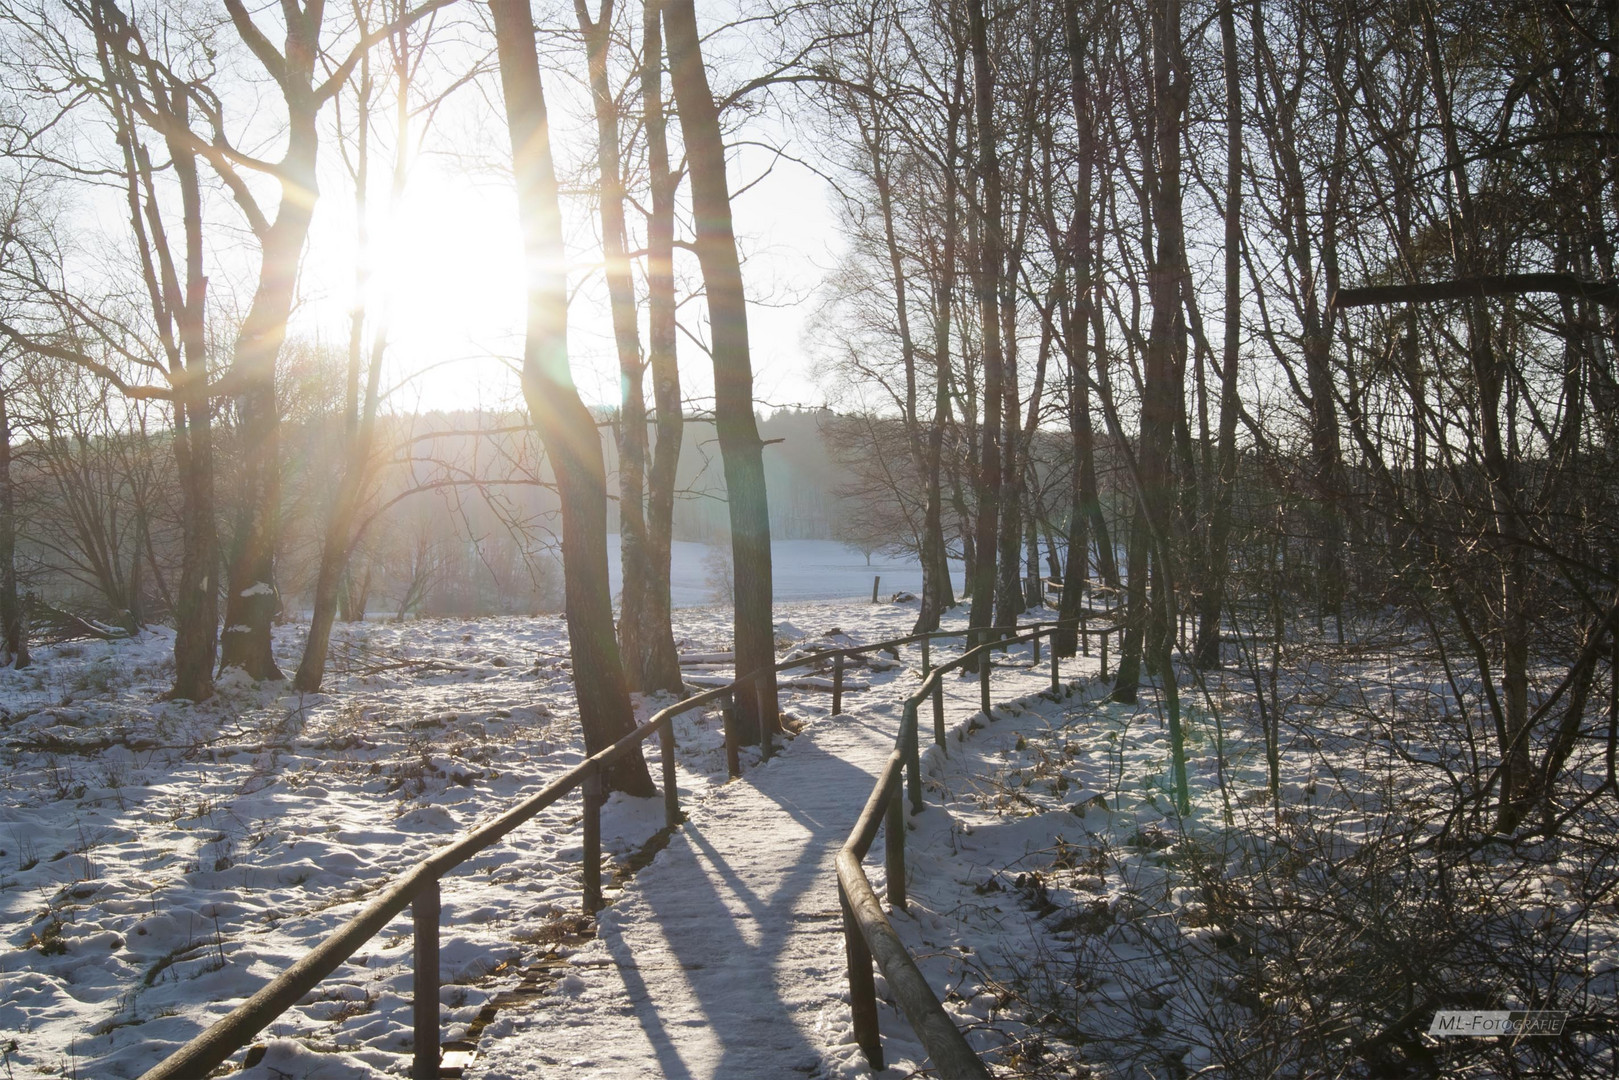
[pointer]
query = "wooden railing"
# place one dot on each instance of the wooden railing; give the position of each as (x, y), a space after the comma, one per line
(867, 933)
(418, 887)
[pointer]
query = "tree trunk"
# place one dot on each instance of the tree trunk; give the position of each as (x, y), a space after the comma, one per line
(1107, 560)
(987, 280)
(360, 416)
(937, 592)
(1082, 474)
(923, 449)
(1212, 603)
(632, 536)
(13, 628)
(734, 423)
(661, 670)
(1165, 356)
(1151, 616)
(1127, 677)
(196, 609)
(564, 424)
(252, 601)
(1009, 527)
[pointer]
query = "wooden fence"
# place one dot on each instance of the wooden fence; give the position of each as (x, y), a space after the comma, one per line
(867, 931)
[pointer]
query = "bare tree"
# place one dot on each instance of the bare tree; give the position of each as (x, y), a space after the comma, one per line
(13, 627)
(661, 664)
(986, 285)
(342, 537)
(565, 425)
(142, 97)
(1211, 603)
(598, 35)
(737, 430)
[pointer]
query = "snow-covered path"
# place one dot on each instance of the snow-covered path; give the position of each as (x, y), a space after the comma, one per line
(724, 957)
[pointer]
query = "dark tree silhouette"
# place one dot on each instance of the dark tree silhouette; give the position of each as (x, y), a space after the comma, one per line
(563, 422)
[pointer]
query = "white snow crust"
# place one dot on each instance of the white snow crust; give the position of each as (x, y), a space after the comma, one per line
(160, 861)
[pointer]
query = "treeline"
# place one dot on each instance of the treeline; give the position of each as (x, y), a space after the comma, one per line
(460, 519)
(1334, 281)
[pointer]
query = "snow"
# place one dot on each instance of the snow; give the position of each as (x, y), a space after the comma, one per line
(802, 571)
(159, 861)
(725, 956)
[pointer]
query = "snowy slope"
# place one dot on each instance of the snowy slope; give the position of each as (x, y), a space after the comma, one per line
(160, 861)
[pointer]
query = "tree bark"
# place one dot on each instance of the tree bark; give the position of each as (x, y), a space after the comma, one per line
(661, 663)
(1165, 359)
(986, 284)
(564, 424)
(252, 600)
(13, 627)
(937, 592)
(196, 610)
(632, 628)
(738, 433)
(1212, 603)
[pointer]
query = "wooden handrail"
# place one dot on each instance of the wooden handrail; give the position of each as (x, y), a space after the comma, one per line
(235, 1029)
(868, 935)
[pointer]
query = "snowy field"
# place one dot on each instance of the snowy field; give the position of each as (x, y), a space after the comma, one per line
(158, 862)
(802, 570)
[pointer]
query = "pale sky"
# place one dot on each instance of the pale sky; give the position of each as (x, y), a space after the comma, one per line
(453, 281)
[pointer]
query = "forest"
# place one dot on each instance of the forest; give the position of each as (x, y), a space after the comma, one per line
(1272, 331)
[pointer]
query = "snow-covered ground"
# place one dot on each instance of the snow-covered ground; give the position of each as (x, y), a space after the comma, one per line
(725, 956)
(802, 570)
(1079, 925)
(160, 861)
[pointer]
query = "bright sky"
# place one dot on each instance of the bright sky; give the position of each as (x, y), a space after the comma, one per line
(454, 286)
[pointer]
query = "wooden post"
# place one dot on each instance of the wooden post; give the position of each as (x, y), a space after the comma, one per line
(837, 685)
(1055, 683)
(671, 791)
(913, 756)
(862, 986)
(894, 847)
(938, 715)
(593, 841)
(1084, 634)
(874, 583)
(424, 916)
(733, 759)
(927, 668)
(1034, 645)
(983, 682)
(1104, 654)
(767, 744)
